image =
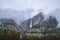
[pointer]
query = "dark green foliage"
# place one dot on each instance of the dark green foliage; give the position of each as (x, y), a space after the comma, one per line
(36, 26)
(30, 38)
(52, 22)
(5, 31)
(50, 26)
(9, 35)
(1, 31)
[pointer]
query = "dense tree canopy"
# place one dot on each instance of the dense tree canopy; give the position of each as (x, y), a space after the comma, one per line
(52, 22)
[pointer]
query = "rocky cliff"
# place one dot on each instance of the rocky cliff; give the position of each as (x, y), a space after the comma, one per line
(38, 19)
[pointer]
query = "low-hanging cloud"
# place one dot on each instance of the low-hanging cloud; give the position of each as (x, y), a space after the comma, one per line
(26, 7)
(16, 15)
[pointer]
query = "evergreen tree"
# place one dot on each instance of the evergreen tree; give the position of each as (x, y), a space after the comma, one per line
(52, 22)
(50, 25)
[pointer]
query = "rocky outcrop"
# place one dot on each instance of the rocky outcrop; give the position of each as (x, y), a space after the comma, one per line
(25, 25)
(8, 24)
(38, 19)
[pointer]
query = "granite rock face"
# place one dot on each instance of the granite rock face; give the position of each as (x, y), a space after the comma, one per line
(8, 24)
(38, 19)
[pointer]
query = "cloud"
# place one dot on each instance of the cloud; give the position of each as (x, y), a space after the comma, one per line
(18, 16)
(47, 5)
(28, 5)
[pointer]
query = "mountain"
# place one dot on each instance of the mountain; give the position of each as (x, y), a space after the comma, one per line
(37, 19)
(56, 13)
(8, 24)
(26, 24)
(40, 18)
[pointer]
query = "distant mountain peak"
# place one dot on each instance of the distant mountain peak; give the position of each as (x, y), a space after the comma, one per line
(37, 19)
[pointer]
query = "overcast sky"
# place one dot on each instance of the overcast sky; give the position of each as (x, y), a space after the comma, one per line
(44, 5)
